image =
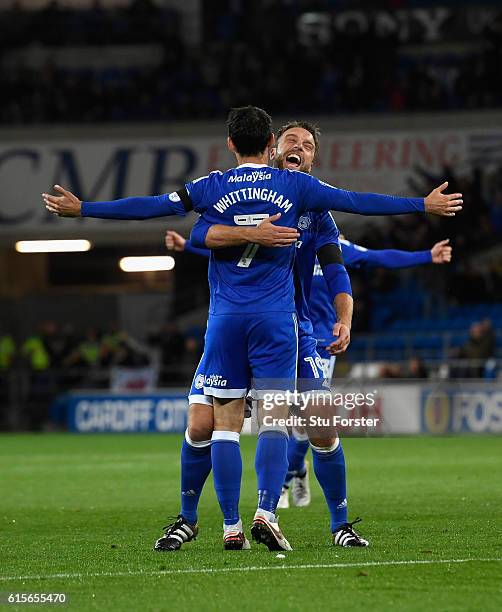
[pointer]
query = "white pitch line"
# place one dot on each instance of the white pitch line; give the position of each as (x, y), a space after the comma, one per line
(225, 570)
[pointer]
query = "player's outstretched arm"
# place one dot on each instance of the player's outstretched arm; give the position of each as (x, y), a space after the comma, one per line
(357, 256)
(68, 205)
(176, 242)
(322, 196)
(222, 236)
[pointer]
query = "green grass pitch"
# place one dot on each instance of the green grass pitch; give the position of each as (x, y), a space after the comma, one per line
(79, 514)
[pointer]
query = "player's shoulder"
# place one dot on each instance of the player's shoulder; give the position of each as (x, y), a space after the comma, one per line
(296, 181)
(214, 175)
(297, 175)
(309, 183)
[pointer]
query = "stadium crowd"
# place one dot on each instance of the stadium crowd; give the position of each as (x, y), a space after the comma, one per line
(473, 359)
(86, 357)
(353, 72)
(37, 370)
(55, 24)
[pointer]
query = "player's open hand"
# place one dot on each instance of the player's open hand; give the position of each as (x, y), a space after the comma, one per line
(270, 235)
(342, 342)
(64, 205)
(441, 252)
(174, 242)
(443, 204)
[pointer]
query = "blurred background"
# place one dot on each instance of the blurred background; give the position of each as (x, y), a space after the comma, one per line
(112, 98)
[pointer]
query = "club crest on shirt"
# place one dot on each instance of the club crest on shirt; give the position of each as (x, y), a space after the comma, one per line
(304, 222)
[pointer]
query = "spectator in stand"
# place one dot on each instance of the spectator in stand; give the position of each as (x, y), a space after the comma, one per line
(56, 342)
(479, 347)
(488, 338)
(35, 353)
(7, 351)
(416, 368)
(389, 370)
(111, 343)
(88, 351)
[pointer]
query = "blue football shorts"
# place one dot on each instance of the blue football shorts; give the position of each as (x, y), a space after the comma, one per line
(328, 361)
(313, 369)
(311, 366)
(248, 352)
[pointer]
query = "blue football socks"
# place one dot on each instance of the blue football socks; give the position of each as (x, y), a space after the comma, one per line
(271, 464)
(329, 468)
(227, 473)
(195, 468)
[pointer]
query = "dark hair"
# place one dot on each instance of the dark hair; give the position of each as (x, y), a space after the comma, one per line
(250, 129)
(306, 125)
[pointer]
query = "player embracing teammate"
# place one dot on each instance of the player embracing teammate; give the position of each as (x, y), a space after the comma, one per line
(252, 333)
(296, 146)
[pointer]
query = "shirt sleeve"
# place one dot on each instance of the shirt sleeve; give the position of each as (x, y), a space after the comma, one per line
(190, 248)
(327, 231)
(337, 279)
(356, 256)
(199, 233)
(333, 269)
(139, 208)
(317, 195)
(199, 191)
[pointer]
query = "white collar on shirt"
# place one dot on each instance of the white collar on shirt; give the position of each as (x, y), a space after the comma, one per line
(253, 166)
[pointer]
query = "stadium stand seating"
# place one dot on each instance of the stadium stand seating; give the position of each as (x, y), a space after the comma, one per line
(431, 339)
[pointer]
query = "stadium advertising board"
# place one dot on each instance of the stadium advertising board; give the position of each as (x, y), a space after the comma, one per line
(445, 408)
(419, 25)
(395, 408)
(166, 412)
(411, 408)
(469, 407)
(108, 169)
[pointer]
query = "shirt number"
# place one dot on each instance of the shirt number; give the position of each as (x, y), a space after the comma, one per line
(316, 365)
(252, 248)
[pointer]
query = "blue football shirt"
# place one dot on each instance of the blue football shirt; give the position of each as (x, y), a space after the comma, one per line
(316, 230)
(259, 279)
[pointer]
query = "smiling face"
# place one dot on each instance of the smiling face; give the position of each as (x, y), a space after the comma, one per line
(295, 150)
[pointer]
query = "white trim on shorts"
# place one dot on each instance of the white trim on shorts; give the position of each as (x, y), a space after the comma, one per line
(229, 393)
(200, 399)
